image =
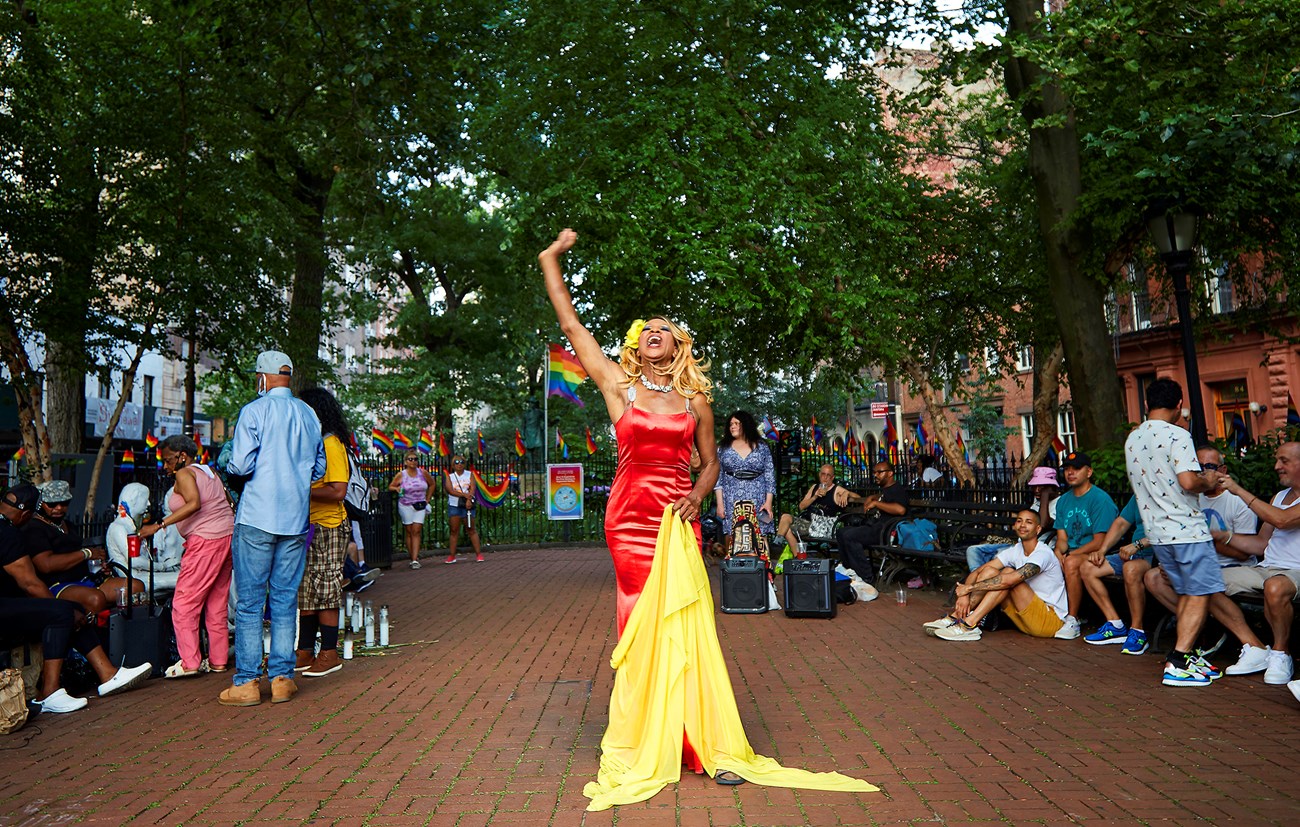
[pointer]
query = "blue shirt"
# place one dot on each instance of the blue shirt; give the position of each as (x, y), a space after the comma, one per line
(278, 441)
(1082, 517)
(1131, 515)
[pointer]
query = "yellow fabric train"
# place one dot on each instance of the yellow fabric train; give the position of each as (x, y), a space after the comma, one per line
(672, 679)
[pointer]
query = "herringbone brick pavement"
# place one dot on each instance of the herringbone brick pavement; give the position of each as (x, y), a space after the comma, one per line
(491, 709)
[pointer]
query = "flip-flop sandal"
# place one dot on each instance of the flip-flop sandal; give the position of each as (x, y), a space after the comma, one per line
(178, 670)
(727, 778)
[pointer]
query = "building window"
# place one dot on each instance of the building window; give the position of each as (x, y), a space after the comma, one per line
(1025, 359)
(148, 390)
(1139, 298)
(1027, 433)
(1232, 412)
(1218, 289)
(1065, 428)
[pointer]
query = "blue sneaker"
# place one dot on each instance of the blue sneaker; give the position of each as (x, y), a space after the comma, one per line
(1108, 633)
(1184, 677)
(1135, 643)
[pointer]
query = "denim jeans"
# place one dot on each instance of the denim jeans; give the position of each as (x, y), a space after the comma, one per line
(266, 564)
(978, 555)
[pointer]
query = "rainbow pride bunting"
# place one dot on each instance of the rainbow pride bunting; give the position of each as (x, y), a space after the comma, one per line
(444, 450)
(400, 442)
(564, 374)
(488, 495)
(591, 443)
(519, 443)
(128, 460)
(380, 440)
(425, 443)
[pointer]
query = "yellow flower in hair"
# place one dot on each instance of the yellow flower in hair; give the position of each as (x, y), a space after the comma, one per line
(633, 337)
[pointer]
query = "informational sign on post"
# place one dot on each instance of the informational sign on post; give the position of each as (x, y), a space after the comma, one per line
(879, 410)
(563, 492)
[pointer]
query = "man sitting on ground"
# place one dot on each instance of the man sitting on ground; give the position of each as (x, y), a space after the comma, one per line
(1277, 577)
(1228, 517)
(1130, 562)
(826, 498)
(891, 501)
(1024, 580)
(1083, 515)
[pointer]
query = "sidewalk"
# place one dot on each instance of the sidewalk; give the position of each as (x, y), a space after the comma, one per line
(492, 709)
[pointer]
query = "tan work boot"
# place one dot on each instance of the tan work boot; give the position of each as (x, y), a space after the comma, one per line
(244, 694)
(282, 690)
(326, 662)
(302, 659)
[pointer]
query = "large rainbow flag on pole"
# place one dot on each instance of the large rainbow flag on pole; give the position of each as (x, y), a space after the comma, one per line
(564, 374)
(444, 450)
(380, 440)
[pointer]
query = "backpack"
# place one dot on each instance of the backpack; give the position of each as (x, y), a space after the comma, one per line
(919, 534)
(357, 499)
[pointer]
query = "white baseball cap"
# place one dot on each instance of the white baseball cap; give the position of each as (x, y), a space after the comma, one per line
(274, 362)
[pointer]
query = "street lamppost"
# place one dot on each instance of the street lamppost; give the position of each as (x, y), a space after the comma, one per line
(1174, 234)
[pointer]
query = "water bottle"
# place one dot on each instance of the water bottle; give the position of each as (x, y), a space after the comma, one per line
(347, 645)
(383, 625)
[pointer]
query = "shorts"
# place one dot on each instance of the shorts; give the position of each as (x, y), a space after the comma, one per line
(55, 588)
(458, 511)
(356, 536)
(410, 516)
(1117, 563)
(322, 575)
(1192, 568)
(1037, 620)
(1250, 579)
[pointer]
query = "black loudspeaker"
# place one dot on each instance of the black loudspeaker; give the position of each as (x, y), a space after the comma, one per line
(808, 591)
(744, 586)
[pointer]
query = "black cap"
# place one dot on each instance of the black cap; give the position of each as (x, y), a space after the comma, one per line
(22, 497)
(1076, 459)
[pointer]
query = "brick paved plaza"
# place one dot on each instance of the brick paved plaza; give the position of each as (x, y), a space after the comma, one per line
(492, 713)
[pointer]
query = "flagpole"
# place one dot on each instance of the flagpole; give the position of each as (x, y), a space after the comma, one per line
(546, 406)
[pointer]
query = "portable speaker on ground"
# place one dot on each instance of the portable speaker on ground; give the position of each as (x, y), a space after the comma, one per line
(808, 588)
(744, 586)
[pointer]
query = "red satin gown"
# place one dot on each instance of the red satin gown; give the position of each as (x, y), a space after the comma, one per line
(654, 471)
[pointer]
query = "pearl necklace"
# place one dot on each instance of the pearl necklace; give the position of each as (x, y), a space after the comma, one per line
(652, 386)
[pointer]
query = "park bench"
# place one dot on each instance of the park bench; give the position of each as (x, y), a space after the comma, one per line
(959, 524)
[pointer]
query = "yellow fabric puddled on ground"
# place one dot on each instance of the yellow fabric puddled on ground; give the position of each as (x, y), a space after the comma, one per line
(672, 679)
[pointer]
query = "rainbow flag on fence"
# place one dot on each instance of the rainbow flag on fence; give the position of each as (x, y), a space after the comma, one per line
(19, 454)
(150, 441)
(482, 444)
(922, 438)
(380, 440)
(591, 443)
(488, 495)
(891, 434)
(400, 442)
(128, 460)
(203, 456)
(444, 450)
(519, 443)
(961, 448)
(425, 443)
(1054, 453)
(564, 374)
(561, 446)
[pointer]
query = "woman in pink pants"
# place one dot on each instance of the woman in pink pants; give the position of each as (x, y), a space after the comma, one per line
(202, 514)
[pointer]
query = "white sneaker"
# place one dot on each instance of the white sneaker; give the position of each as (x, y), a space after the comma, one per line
(128, 677)
(1279, 669)
(1253, 659)
(1069, 629)
(61, 701)
(1294, 686)
(958, 631)
(946, 620)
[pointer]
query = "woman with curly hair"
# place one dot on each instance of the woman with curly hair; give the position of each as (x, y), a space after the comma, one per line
(746, 473)
(672, 702)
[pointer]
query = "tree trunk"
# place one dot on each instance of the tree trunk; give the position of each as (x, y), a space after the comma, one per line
(1078, 297)
(106, 444)
(28, 394)
(941, 421)
(311, 262)
(1047, 387)
(65, 372)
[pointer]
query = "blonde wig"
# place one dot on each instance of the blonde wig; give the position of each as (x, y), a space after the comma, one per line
(687, 372)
